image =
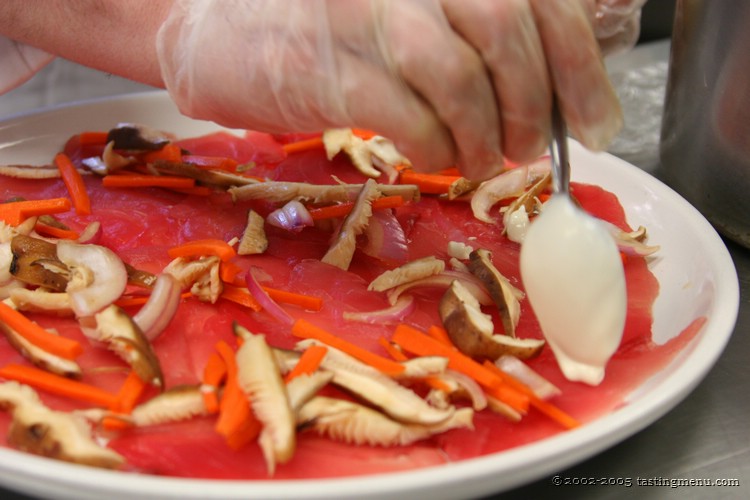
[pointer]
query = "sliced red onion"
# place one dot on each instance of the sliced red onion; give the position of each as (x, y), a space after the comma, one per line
(160, 308)
(473, 390)
(265, 301)
(385, 237)
(91, 233)
(293, 217)
(388, 316)
(539, 385)
(108, 276)
(509, 184)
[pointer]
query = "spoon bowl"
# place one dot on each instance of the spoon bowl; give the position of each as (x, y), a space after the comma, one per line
(573, 276)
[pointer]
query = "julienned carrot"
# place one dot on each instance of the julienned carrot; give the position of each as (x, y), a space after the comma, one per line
(438, 333)
(93, 138)
(303, 145)
(54, 344)
(74, 183)
(56, 232)
(343, 209)
(543, 406)
(15, 212)
(398, 355)
(170, 152)
(308, 362)
(115, 423)
(236, 421)
(421, 344)
(202, 248)
(130, 392)
(136, 180)
(306, 302)
(240, 296)
(55, 384)
(428, 183)
(392, 350)
(450, 171)
(306, 330)
(214, 373)
(229, 272)
(212, 162)
(363, 133)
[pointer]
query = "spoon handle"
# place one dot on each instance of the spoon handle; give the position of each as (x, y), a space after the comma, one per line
(559, 151)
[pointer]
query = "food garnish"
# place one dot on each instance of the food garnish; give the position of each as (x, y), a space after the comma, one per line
(365, 352)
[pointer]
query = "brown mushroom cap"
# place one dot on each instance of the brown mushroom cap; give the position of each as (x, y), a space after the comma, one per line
(35, 262)
(472, 331)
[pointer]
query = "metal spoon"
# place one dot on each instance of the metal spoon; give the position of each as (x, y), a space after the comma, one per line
(573, 275)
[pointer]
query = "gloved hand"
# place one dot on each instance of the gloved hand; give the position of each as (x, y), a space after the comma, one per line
(617, 24)
(451, 82)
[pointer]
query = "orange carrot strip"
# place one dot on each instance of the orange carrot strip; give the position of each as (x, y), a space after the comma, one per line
(306, 302)
(212, 162)
(15, 212)
(236, 421)
(306, 330)
(170, 152)
(92, 138)
(543, 406)
(303, 145)
(308, 362)
(241, 296)
(438, 333)
(112, 423)
(74, 183)
(55, 384)
(428, 183)
(244, 434)
(136, 180)
(450, 171)
(363, 133)
(229, 273)
(392, 350)
(54, 344)
(419, 343)
(201, 248)
(56, 232)
(438, 384)
(398, 355)
(214, 373)
(131, 391)
(343, 209)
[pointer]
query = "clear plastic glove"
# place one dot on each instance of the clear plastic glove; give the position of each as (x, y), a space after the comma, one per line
(452, 82)
(617, 24)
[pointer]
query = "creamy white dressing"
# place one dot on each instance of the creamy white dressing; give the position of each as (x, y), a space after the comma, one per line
(517, 225)
(575, 282)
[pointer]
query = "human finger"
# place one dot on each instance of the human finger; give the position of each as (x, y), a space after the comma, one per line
(450, 75)
(505, 34)
(587, 98)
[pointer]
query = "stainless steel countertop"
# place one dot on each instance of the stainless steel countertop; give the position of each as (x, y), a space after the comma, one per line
(705, 436)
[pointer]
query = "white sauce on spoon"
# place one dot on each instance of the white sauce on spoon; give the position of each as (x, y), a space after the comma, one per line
(575, 282)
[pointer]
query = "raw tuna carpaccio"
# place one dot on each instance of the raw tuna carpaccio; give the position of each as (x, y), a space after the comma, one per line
(140, 225)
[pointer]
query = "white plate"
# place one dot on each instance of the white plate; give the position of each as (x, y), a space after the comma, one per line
(695, 271)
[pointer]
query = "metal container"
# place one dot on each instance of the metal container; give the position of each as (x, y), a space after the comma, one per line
(705, 136)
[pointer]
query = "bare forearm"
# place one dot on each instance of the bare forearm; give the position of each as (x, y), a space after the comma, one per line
(116, 36)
